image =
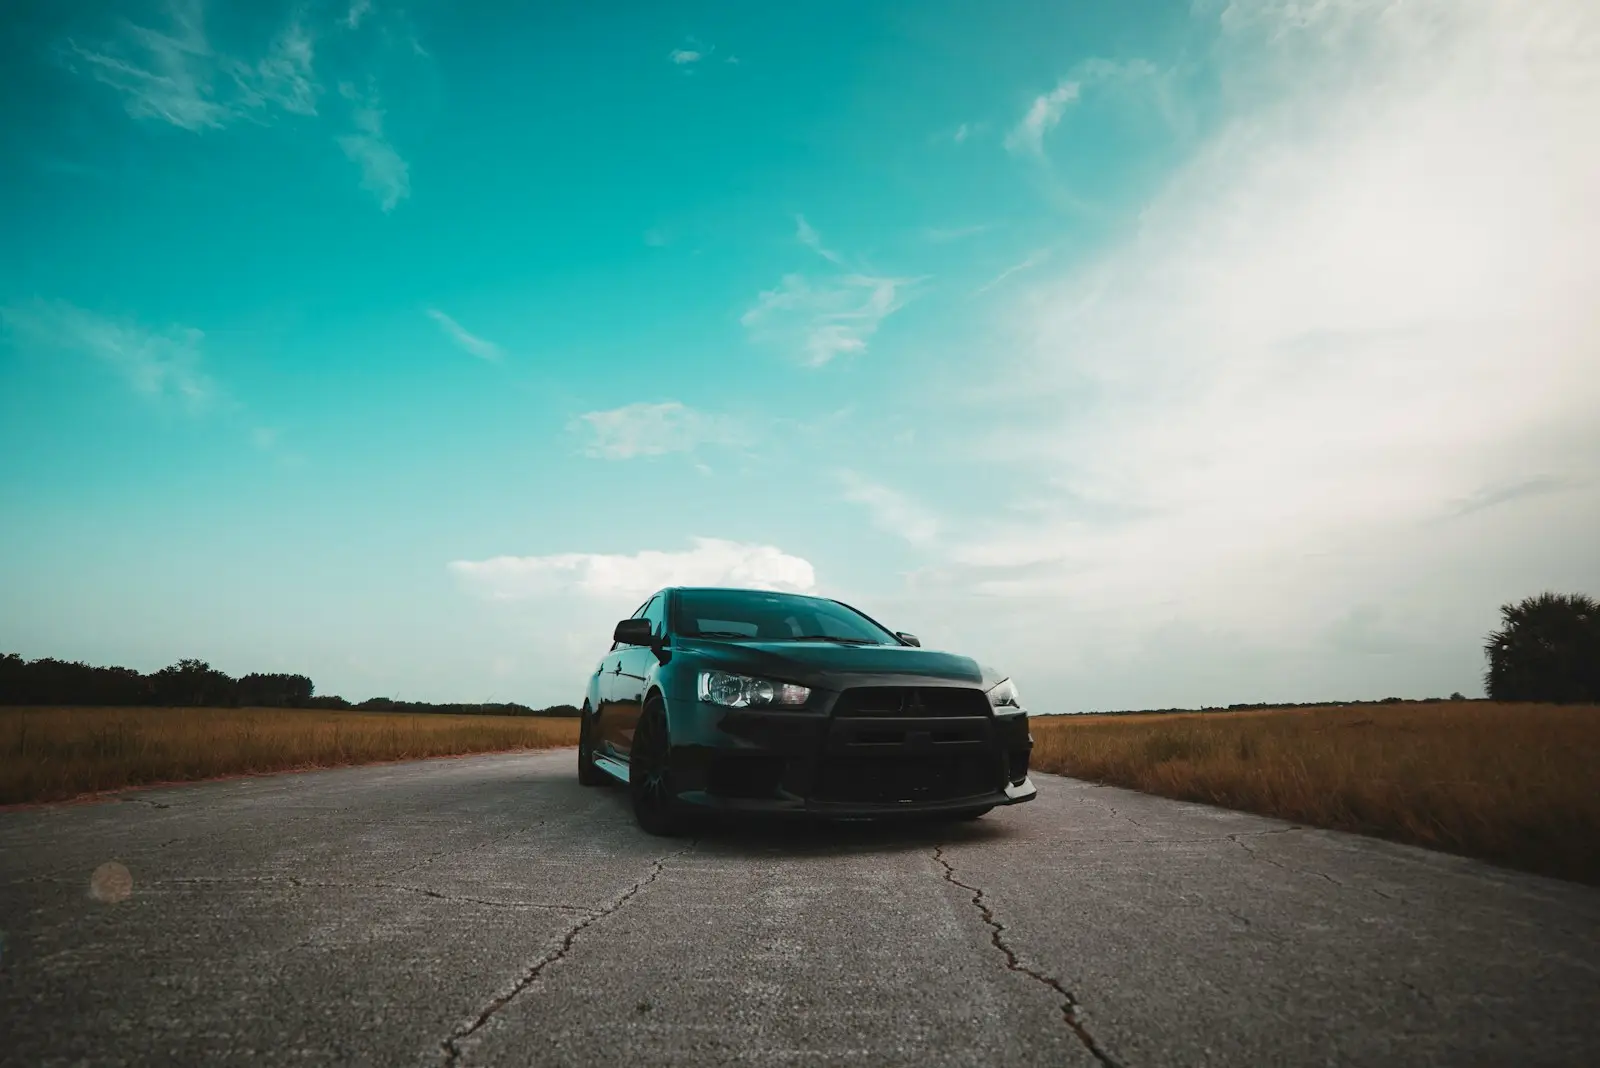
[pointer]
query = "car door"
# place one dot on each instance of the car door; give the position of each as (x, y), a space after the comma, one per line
(634, 672)
(605, 713)
(600, 690)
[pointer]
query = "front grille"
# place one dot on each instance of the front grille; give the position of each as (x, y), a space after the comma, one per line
(909, 779)
(916, 701)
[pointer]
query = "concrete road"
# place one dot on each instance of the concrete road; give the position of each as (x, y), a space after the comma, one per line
(491, 911)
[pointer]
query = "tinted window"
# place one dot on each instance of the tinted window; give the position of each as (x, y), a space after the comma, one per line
(656, 613)
(772, 617)
(638, 613)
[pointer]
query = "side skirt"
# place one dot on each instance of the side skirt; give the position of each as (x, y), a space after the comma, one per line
(612, 767)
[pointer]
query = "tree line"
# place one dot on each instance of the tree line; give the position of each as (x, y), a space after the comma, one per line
(196, 684)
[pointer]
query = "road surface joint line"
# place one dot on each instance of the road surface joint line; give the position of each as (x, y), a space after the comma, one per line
(1069, 1001)
(452, 1045)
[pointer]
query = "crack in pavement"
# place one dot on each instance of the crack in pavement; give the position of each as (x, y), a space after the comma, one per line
(486, 843)
(1236, 839)
(300, 883)
(1069, 1001)
(463, 899)
(452, 1045)
(1130, 819)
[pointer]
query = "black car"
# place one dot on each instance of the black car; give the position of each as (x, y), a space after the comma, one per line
(726, 700)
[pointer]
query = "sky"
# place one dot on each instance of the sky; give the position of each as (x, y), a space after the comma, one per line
(1157, 354)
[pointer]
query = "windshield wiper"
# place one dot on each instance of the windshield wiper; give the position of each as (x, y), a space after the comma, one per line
(719, 634)
(841, 641)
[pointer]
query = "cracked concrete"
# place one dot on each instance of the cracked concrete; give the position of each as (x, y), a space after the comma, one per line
(1238, 840)
(1069, 1002)
(491, 911)
(452, 1046)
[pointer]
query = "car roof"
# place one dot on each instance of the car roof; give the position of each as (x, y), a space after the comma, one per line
(739, 589)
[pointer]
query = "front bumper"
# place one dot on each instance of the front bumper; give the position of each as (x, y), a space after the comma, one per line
(705, 801)
(814, 763)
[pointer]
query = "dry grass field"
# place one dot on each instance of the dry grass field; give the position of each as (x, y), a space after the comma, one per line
(1515, 784)
(49, 754)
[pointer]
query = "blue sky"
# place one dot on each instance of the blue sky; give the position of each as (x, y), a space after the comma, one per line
(1158, 353)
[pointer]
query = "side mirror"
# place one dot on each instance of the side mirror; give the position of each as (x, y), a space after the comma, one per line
(634, 632)
(909, 639)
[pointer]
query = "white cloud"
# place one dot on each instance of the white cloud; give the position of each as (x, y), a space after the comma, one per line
(1348, 352)
(359, 10)
(1042, 115)
(283, 77)
(891, 510)
(811, 240)
(960, 134)
(177, 77)
(1032, 260)
(383, 173)
(827, 319)
(1045, 112)
(479, 347)
(684, 56)
(711, 562)
(156, 363)
(646, 429)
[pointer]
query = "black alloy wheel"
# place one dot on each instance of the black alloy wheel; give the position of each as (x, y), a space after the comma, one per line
(588, 774)
(650, 773)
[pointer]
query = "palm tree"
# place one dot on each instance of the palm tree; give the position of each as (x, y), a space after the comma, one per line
(1547, 649)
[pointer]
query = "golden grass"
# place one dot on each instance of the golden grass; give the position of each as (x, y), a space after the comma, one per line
(49, 754)
(1517, 784)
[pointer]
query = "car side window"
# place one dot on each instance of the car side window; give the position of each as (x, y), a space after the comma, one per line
(656, 613)
(638, 613)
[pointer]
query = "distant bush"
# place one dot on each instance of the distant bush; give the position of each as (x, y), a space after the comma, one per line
(384, 704)
(1547, 649)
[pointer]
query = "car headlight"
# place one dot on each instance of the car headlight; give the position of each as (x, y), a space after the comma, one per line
(1004, 697)
(741, 691)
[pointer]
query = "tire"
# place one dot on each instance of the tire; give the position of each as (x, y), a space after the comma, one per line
(588, 774)
(655, 807)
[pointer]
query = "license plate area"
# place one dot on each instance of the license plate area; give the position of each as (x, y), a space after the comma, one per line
(894, 760)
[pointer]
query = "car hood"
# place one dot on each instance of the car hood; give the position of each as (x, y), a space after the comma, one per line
(816, 663)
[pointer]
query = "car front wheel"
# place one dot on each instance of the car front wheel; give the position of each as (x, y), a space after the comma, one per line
(655, 806)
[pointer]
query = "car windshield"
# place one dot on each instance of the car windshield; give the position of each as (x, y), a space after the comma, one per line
(758, 616)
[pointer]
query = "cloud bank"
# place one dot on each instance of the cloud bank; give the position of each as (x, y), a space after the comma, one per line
(711, 562)
(1345, 358)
